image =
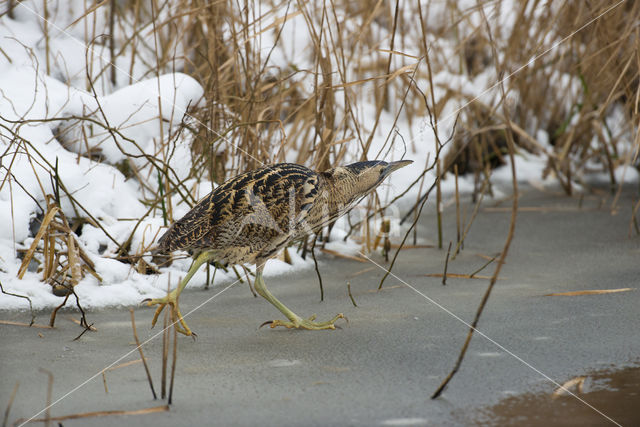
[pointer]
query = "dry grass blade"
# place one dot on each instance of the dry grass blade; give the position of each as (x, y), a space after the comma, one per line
(589, 292)
(386, 288)
(460, 276)
(340, 255)
(124, 365)
(28, 325)
(74, 260)
(543, 209)
(62, 269)
(358, 273)
(82, 415)
(565, 388)
(396, 246)
(41, 232)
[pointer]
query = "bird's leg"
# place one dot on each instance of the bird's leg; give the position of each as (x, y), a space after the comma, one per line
(172, 297)
(294, 321)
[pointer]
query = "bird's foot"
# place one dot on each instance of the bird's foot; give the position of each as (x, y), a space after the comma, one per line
(176, 317)
(299, 323)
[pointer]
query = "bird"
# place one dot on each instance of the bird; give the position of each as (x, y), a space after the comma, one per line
(249, 218)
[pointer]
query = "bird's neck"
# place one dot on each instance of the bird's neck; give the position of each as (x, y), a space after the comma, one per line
(342, 194)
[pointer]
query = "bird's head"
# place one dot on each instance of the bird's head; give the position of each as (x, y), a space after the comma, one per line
(363, 177)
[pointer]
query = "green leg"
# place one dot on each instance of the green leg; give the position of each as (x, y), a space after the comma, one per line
(295, 321)
(172, 298)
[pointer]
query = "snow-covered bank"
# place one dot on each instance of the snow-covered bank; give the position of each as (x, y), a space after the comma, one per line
(65, 137)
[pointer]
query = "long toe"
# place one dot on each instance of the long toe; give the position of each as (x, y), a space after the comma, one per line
(176, 317)
(308, 324)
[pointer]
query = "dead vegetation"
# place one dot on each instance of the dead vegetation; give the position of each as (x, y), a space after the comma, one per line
(65, 261)
(361, 72)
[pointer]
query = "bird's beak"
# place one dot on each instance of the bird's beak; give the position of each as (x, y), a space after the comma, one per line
(394, 166)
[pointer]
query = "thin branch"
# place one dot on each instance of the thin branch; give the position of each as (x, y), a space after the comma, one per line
(512, 226)
(33, 315)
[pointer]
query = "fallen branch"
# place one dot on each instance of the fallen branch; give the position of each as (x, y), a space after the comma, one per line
(512, 226)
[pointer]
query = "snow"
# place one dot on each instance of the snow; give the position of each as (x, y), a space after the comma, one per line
(145, 109)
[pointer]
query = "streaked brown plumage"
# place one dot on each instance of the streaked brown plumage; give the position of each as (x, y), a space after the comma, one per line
(249, 218)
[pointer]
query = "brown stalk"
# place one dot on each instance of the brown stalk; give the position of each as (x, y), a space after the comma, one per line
(104, 382)
(455, 170)
(165, 352)
(43, 228)
(439, 203)
(315, 264)
(446, 264)
(634, 219)
(52, 319)
(173, 360)
(483, 267)
(353, 301)
(476, 208)
(383, 97)
(144, 360)
(47, 413)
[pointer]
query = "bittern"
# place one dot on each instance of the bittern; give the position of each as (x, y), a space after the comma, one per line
(249, 218)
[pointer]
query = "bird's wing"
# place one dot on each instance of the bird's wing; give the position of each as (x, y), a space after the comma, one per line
(267, 209)
(278, 200)
(184, 232)
(251, 212)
